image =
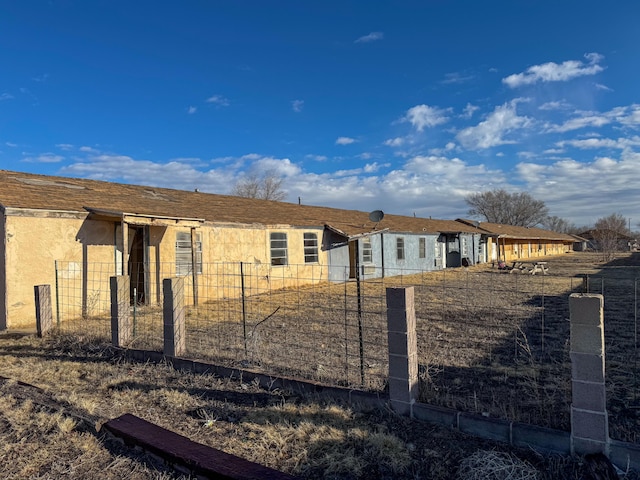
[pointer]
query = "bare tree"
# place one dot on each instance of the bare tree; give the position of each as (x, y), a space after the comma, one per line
(267, 186)
(500, 206)
(557, 224)
(611, 235)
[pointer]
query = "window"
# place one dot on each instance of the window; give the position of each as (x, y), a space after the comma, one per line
(367, 252)
(465, 247)
(279, 248)
(183, 253)
(422, 247)
(310, 248)
(400, 248)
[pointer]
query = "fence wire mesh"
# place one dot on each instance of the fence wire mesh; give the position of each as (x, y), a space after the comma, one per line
(490, 343)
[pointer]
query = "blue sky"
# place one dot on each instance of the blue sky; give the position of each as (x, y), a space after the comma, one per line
(401, 106)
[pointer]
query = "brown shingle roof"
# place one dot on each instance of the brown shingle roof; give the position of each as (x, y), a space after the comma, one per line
(510, 231)
(26, 190)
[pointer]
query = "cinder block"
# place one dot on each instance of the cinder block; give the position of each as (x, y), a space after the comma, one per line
(434, 414)
(400, 298)
(589, 425)
(490, 428)
(588, 396)
(399, 367)
(583, 446)
(398, 343)
(586, 308)
(623, 454)
(44, 312)
(401, 408)
(587, 367)
(587, 339)
(541, 438)
(121, 323)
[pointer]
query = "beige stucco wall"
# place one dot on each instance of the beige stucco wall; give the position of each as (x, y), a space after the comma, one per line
(87, 252)
(224, 247)
(34, 242)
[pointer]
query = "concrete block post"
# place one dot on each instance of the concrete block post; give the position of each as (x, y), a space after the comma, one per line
(44, 312)
(174, 317)
(121, 321)
(403, 349)
(589, 420)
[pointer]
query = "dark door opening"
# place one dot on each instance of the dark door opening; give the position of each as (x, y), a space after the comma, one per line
(137, 262)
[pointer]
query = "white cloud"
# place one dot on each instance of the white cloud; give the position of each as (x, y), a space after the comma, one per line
(5, 96)
(469, 110)
(628, 116)
(631, 116)
(395, 142)
(600, 86)
(43, 158)
(317, 158)
(456, 77)
(345, 140)
(593, 143)
(555, 105)
(491, 132)
(64, 146)
(88, 149)
(371, 37)
(554, 72)
(10, 144)
(219, 100)
(422, 116)
(297, 105)
(191, 110)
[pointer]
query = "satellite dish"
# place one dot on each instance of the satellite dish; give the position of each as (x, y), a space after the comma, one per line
(376, 216)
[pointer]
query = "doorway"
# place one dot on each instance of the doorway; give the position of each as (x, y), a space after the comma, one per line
(138, 264)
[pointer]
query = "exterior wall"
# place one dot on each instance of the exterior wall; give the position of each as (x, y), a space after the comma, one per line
(3, 276)
(224, 247)
(522, 249)
(35, 243)
(411, 262)
(87, 252)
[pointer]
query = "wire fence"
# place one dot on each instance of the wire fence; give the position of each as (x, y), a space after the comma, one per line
(490, 343)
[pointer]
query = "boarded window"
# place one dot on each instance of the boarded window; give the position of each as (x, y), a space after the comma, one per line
(367, 252)
(400, 248)
(183, 253)
(279, 248)
(422, 247)
(310, 248)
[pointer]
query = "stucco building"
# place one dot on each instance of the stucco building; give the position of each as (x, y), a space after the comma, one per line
(55, 228)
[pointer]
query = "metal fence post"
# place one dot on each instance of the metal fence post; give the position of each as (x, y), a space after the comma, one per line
(403, 349)
(589, 420)
(121, 324)
(44, 312)
(174, 317)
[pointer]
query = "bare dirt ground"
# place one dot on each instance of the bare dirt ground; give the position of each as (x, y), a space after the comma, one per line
(488, 342)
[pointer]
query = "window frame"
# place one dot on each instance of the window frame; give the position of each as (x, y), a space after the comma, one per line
(367, 251)
(282, 248)
(183, 252)
(422, 247)
(310, 246)
(400, 248)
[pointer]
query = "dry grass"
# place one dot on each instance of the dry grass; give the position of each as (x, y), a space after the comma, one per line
(49, 430)
(489, 342)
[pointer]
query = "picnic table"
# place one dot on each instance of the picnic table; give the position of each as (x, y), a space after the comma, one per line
(529, 267)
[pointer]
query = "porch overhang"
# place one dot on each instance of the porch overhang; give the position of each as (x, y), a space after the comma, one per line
(142, 218)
